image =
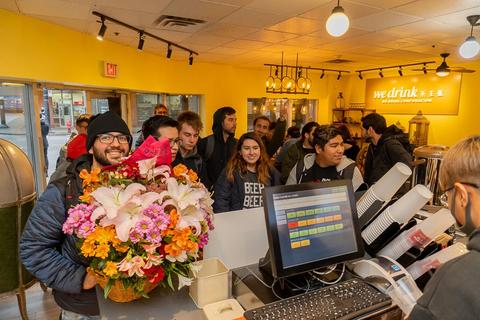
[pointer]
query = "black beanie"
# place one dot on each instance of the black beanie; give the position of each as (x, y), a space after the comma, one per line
(104, 123)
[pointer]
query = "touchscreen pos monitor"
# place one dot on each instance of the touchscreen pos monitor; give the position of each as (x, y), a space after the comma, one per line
(311, 225)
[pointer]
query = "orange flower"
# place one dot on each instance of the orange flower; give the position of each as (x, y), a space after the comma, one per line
(85, 197)
(173, 250)
(181, 237)
(110, 269)
(88, 249)
(173, 218)
(180, 170)
(102, 251)
(90, 178)
(192, 175)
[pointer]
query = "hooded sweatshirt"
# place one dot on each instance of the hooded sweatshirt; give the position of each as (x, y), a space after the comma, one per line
(222, 150)
(388, 151)
(452, 292)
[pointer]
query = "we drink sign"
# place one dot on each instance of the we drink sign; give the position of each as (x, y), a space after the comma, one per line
(408, 94)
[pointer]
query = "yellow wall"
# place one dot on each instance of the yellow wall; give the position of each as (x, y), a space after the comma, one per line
(41, 51)
(445, 130)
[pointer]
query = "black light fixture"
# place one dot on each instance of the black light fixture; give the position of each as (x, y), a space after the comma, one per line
(424, 69)
(103, 28)
(360, 76)
(339, 75)
(141, 41)
(380, 73)
(400, 72)
(443, 70)
(142, 35)
(399, 67)
(323, 74)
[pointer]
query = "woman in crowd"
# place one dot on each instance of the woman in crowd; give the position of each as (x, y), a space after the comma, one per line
(249, 170)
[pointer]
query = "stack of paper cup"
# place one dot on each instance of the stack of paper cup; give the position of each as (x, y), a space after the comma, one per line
(434, 261)
(385, 188)
(401, 211)
(420, 235)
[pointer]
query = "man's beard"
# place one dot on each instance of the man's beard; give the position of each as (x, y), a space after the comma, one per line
(102, 159)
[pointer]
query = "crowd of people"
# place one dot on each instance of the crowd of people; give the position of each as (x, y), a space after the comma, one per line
(237, 171)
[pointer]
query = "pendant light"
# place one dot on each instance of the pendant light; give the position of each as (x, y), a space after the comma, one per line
(470, 48)
(338, 22)
(443, 70)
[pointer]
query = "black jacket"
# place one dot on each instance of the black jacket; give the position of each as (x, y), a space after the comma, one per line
(452, 293)
(195, 162)
(276, 141)
(52, 256)
(229, 195)
(389, 150)
(222, 150)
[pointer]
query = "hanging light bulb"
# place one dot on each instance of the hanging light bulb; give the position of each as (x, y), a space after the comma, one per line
(338, 22)
(470, 48)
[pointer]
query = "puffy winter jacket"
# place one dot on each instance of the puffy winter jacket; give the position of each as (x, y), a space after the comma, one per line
(50, 255)
(229, 195)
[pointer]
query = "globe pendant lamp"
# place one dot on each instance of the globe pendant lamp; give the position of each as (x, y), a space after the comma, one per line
(338, 22)
(470, 48)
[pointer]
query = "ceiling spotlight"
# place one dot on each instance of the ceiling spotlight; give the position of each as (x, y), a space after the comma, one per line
(323, 74)
(141, 40)
(360, 76)
(424, 69)
(102, 30)
(339, 75)
(400, 72)
(443, 70)
(169, 51)
(190, 59)
(338, 22)
(380, 73)
(470, 48)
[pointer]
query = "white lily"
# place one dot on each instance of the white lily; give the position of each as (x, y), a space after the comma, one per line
(110, 199)
(183, 195)
(191, 216)
(183, 281)
(149, 171)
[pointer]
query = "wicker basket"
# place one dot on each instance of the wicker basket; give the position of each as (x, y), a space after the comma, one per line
(120, 294)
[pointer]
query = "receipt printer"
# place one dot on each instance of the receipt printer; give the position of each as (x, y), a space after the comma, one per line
(390, 277)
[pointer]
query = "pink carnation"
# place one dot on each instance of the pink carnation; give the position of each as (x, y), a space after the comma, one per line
(85, 229)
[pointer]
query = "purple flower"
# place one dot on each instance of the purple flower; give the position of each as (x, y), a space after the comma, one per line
(135, 237)
(85, 229)
(202, 240)
(154, 211)
(144, 226)
(154, 236)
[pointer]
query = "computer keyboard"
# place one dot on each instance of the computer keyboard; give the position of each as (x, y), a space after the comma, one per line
(342, 301)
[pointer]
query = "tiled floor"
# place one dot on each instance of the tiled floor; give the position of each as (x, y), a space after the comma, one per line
(40, 305)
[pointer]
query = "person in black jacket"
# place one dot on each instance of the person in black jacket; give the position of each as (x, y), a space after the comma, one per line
(452, 292)
(262, 127)
(163, 127)
(189, 127)
(217, 148)
(49, 254)
(247, 173)
(387, 147)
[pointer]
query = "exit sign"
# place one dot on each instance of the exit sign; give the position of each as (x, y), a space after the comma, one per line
(110, 69)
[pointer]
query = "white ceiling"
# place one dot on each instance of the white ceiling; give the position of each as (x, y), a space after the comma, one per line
(253, 32)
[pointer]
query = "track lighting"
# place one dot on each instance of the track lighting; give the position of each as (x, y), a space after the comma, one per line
(360, 76)
(470, 48)
(338, 22)
(101, 32)
(339, 75)
(400, 72)
(399, 67)
(141, 40)
(323, 74)
(380, 73)
(424, 69)
(142, 34)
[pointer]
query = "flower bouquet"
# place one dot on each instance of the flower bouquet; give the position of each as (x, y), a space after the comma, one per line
(140, 223)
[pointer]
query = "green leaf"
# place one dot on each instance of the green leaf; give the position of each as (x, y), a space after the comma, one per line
(108, 287)
(169, 280)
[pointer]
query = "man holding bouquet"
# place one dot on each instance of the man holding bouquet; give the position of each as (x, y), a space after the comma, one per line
(49, 254)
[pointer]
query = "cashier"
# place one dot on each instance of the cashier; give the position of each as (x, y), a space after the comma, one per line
(454, 290)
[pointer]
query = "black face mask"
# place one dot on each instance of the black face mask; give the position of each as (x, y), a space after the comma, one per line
(468, 227)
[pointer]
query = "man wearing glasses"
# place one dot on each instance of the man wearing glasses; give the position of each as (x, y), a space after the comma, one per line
(49, 254)
(453, 291)
(163, 127)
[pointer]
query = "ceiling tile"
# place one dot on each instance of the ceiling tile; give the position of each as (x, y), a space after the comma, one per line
(298, 25)
(270, 36)
(250, 44)
(76, 24)
(433, 8)
(352, 10)
(385, 4)
(382, 20)
(196, 9)
(459, 19)
(10, 5)
(207, 39)
(174, 36)
(229, 30)
(137, 19)
(351, 33)
(238, 3)
(150, 6)
(305, 41)
(282, 7)
(228, 51)
(420, 27)
(55, 8)
(251, 18)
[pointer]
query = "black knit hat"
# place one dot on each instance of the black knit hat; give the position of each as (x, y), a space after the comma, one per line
(104, 123)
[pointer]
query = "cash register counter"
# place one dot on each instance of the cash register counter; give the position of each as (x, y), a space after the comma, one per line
(239, 240)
